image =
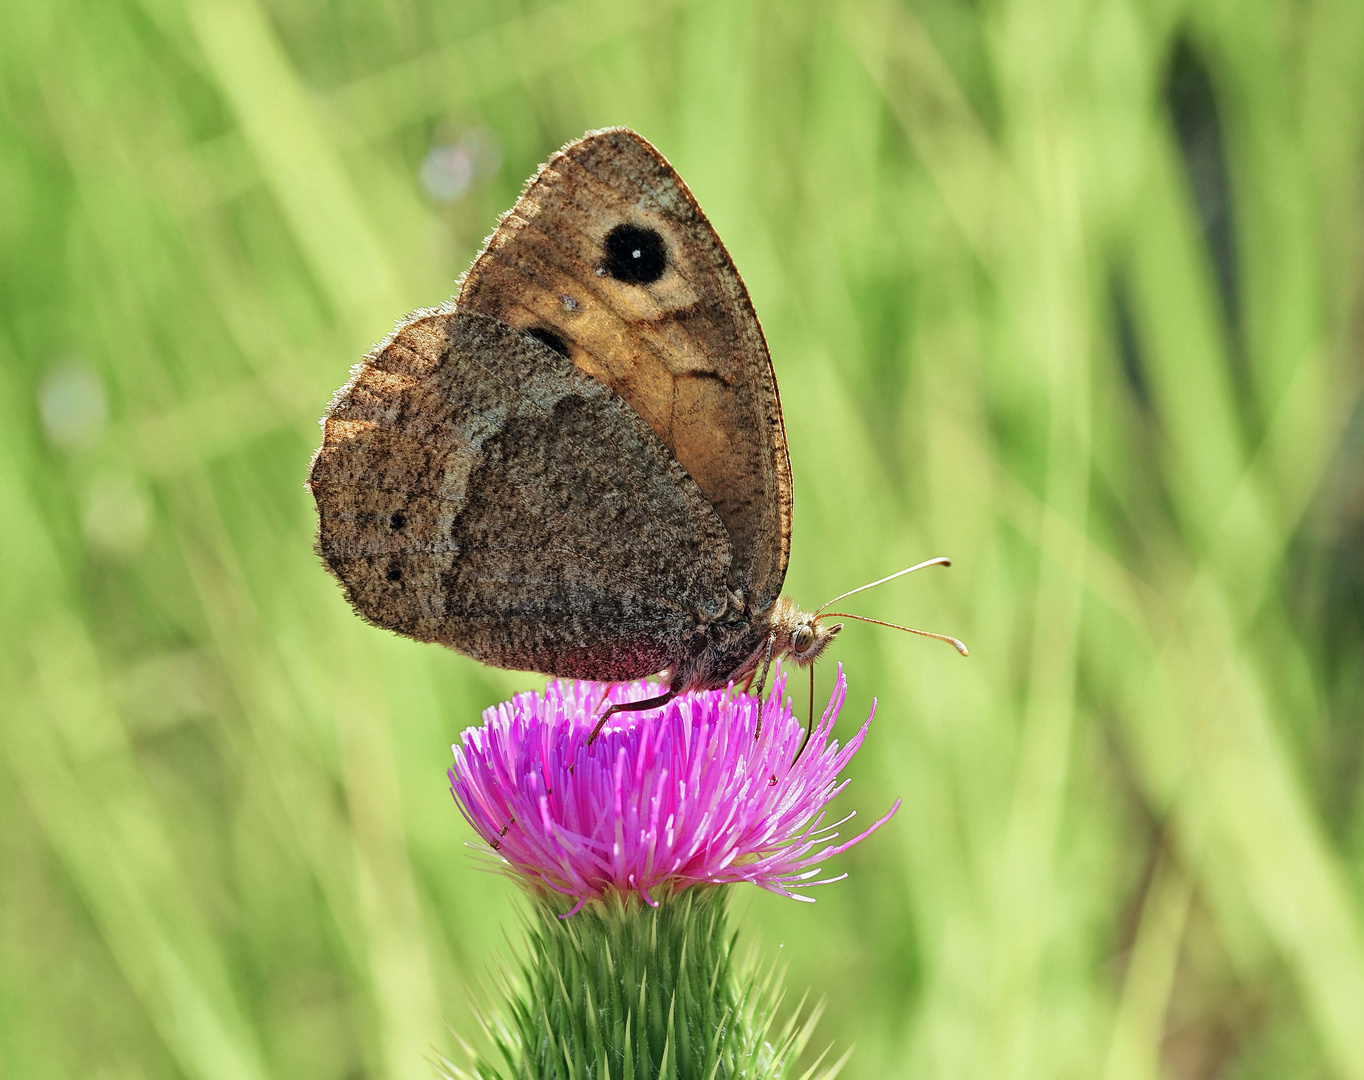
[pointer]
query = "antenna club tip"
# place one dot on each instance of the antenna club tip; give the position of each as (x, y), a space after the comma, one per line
(960, 646)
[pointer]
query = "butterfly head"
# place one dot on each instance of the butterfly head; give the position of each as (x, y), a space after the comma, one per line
(801, 635)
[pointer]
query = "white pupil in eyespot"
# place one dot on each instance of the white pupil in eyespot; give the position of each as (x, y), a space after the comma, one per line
(636, 253)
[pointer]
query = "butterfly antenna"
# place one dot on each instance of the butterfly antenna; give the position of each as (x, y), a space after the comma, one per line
(958, 645)
(941, 560)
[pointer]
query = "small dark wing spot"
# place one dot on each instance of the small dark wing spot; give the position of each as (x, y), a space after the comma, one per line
(397, 520)
(394, 572)
(546, 336)
(634, 255)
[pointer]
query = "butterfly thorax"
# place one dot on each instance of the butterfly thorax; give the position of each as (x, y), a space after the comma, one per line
(731, 648)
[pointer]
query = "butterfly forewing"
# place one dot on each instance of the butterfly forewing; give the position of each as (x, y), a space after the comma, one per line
(608, 260)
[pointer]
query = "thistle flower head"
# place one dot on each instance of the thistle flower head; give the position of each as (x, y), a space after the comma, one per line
(665, 799)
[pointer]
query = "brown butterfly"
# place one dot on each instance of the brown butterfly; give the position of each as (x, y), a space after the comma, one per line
(578, 466)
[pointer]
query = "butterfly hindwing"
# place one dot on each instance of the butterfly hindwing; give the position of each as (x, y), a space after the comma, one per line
(473, 489)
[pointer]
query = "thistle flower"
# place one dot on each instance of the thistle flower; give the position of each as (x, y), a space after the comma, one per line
(642, 983)
(662, 800)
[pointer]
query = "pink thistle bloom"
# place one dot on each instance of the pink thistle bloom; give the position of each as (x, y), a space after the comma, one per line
(677, 796)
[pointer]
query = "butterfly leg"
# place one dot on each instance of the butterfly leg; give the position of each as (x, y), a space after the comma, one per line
(630, 706)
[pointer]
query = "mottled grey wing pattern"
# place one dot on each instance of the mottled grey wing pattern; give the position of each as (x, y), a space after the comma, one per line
(477, 489)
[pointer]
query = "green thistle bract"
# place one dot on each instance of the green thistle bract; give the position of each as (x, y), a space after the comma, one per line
(626, 847)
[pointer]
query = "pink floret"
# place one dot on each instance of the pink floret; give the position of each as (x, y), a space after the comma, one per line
(678, 796)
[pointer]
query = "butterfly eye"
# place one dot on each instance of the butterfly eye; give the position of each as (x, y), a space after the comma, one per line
(802, 639)
(635, 256)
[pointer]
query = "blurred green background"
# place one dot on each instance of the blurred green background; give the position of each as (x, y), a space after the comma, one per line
(1067, 291)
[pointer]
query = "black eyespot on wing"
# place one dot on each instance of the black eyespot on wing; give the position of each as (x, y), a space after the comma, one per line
(397, 520)
(394, 572)
(634, 255)
(545, 336)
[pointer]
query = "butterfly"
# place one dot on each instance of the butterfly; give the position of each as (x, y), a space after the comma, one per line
(578, 465)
